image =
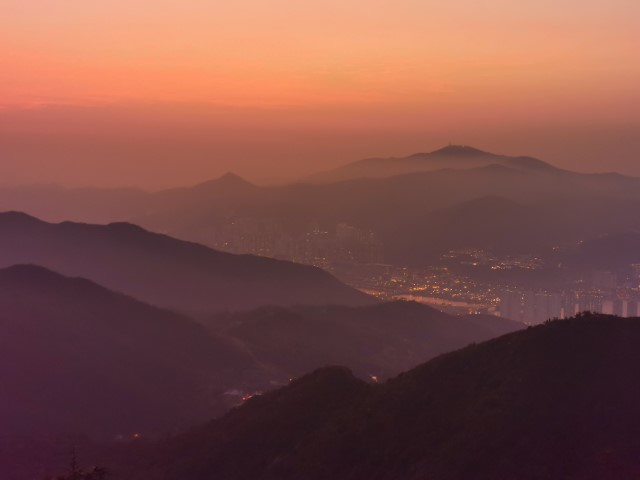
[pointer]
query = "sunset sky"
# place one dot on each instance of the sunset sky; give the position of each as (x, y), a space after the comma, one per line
(168, 92)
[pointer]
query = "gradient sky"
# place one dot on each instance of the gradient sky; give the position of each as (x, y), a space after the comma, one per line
(167, 92)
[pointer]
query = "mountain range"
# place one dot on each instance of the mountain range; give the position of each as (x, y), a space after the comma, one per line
(78, 358)
(164, 271)
(118, 328)
(61, 335)
(81, 364)
(554, 401)
(456, 197)
(451, 156)
(376, 341)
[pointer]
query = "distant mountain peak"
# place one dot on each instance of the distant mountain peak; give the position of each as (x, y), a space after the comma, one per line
(229, 179)
(459, 150)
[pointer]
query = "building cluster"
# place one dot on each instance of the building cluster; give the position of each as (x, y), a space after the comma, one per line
(536, 307)
(602, 293)
(482, 258)
(435, 285)
(449, 290)
(355, 256)
(342, 244)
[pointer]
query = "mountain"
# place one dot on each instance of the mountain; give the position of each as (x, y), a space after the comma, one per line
(103, 205)
(164, 271)
(554, 401)
(78, 358)
(614, 252)
(502, 225)
(381, 340)
(81, 365)
(417, 215)
(451, 156)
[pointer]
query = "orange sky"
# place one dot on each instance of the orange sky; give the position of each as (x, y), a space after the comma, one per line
(163, 92)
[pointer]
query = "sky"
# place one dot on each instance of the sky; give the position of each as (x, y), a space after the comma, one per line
(167, 92)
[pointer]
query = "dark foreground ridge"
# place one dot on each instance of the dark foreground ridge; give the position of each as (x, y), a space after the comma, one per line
(558, 401)
(85, 367)
(380, 340)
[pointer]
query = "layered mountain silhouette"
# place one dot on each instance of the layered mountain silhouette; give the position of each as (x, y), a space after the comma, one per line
(164, 271)
(380, 341)
(613, 252)
(78, 358)
(81, 358)
(80, 363)
(451, 156)
(420, 215)
(417, 213)
(553, 401)
(103, 205)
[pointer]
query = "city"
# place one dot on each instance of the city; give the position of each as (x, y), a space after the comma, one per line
(457, 284)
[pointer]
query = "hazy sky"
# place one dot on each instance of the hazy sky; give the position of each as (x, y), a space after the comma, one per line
(165, 92)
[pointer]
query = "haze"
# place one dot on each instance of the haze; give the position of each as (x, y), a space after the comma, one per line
(166, 93)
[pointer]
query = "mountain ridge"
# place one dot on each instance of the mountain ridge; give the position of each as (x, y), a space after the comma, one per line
(242, 219)
(553, 401)
(165, 271)
(451, 156)
(380, 340)
(79, 358)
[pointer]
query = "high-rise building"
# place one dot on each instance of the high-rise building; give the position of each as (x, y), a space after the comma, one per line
(510, 305)
(542, 306)
(603, 280)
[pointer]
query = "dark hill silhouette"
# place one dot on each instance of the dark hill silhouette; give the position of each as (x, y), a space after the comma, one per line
(164, 271)
(493, 222)
(554, 401)
(614, 253)
(503, 225)
(382, 340)
(77, 358)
